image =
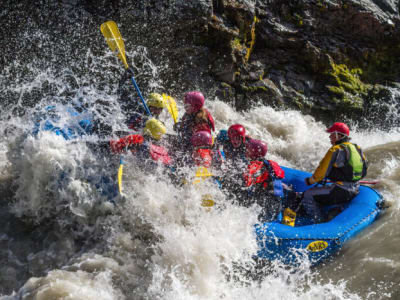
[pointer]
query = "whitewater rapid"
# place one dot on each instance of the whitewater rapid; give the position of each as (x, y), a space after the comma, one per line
(158, 242)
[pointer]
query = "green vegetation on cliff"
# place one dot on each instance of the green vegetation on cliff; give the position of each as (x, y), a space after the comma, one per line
(346, 87)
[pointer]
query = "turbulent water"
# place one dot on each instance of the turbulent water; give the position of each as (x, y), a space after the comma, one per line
(61, 237)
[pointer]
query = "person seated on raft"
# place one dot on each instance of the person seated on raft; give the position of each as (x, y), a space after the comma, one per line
(196, 118)
(344, 165)
(262, 181)
(145, 146)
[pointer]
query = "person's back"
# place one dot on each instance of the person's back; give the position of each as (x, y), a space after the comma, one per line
(196, 118)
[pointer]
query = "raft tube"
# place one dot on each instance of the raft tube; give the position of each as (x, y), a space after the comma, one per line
(315, 242)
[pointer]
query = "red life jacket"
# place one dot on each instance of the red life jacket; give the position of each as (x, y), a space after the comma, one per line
(203, 157)
(257, 173)
(189, 126)
(121, 144)
(159, 153)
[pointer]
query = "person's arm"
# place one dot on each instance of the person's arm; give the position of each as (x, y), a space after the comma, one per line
(323, 168)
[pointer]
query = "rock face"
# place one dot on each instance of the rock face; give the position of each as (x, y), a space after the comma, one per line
(324, 57)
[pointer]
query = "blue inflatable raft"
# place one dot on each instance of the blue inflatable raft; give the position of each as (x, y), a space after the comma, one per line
(74, 126)
(317, 242)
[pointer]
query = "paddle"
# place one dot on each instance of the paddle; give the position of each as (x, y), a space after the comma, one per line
(171, 106)
(114, 40)
(120, 171)
(202, 174)
(369, 181)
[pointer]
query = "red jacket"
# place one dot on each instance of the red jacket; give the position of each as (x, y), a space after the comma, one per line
(258, 173)
(145, 149)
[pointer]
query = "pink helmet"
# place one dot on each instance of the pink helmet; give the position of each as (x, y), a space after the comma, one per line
(256, 149)
(195, 100)
(339, 128)
(236, 130)
(201, 138)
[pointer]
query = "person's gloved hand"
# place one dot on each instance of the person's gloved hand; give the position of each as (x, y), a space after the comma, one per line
(130, 72)
(308, 181)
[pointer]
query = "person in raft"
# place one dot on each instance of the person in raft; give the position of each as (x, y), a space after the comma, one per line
(146, 146)
(137, 119)
(196, 118)
(233, 143)
(344, 165)
(262, 181)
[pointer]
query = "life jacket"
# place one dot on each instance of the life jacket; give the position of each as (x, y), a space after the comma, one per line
(189, 126)
(355, 166)
(203, 157)
(159, 153)
(263, 172)
(120, 145)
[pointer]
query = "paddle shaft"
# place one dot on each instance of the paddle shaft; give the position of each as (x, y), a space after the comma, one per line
(140, 96)
(368, 182)
(115, 42)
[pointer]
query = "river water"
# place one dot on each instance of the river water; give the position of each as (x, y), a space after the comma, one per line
(61, 238)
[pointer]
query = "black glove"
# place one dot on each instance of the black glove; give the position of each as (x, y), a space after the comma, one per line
(130, 72)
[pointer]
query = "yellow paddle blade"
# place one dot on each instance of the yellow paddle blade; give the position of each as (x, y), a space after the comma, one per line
(114, 40)
(202, 173)
(171, 106)
(289, 217)
(207, 200)
(120, 171)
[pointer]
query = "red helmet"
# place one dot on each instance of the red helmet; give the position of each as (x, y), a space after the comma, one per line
(201, 138)
(236, 130)
(256, 149)
(339, 128)
(195, 100)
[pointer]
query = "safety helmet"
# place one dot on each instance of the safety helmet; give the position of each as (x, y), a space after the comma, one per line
(339, 127)
(155, 128)
(156, 100)
(236, 130)
(201, 139)
(194, 100)
(256, 149)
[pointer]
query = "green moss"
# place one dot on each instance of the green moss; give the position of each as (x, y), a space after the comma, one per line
(254, 89)
(236, 44)
(383, 64)
(247, 37)
(252, 39)
(346, 87)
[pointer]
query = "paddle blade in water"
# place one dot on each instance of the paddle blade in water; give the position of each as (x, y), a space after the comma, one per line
(114, 40)
(120, 172)
(207, 200)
